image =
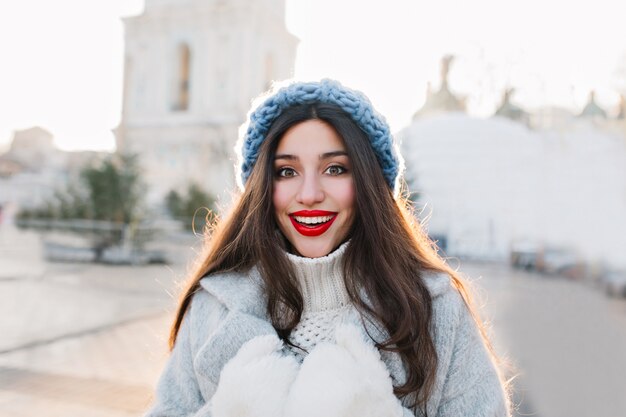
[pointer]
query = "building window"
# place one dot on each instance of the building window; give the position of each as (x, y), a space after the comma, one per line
(181, 86)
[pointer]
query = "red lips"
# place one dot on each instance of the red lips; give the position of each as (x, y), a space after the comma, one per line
(313, 230)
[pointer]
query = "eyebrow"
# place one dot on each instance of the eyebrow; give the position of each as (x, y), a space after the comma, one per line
(325, 155)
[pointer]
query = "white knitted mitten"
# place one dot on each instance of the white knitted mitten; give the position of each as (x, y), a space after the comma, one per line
(255, 382)
(343, 380)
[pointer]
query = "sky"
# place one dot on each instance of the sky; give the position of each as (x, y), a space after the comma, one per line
(61, 62)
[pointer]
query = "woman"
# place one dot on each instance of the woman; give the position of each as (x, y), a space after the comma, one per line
(319, 295)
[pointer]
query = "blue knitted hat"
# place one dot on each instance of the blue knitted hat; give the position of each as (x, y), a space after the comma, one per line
(354, 103)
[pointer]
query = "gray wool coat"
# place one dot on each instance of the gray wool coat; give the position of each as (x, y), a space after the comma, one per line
(231, 310)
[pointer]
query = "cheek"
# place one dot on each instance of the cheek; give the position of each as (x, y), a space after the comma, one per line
(344, 194)
(280, 197)
(349, 201)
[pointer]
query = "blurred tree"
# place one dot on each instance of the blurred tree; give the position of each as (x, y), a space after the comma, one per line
(114, 189)
(174, 203)
(107, 195)
(110, 191)
(188, 207)
(71, 204)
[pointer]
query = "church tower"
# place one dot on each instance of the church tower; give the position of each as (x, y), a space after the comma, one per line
(191, 70)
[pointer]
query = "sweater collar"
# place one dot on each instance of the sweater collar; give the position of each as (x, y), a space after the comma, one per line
(321, 280)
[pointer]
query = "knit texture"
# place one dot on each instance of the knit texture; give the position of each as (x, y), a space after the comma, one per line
(326, 301)
(353, 102)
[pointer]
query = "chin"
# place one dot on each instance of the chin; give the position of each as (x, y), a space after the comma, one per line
(313, 249)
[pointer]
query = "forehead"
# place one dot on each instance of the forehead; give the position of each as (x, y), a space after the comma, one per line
(310, 137)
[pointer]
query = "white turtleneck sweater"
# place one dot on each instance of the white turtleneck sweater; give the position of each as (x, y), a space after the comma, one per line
(326, 301)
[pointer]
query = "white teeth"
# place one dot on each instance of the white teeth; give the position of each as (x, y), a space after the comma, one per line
(312, 220)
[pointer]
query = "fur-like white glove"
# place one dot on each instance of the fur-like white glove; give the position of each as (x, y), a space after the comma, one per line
(343, 380)
(255, 382)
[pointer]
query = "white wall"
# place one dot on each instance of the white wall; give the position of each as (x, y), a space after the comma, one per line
(490, 182)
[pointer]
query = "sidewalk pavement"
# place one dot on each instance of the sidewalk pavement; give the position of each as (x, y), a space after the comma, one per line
(81, 339)
(108, 373)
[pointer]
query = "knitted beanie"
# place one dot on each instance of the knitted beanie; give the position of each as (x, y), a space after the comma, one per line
(354, 103)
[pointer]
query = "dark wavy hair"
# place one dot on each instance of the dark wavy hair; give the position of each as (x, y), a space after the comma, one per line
(386, 257)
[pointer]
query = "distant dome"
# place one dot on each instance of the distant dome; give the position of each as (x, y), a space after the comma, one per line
(442, 101)
(592, 109)
(510, 110)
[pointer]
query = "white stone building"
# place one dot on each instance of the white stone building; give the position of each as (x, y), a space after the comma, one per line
(443, 100)
(192, 68)
(33, 169)
(549, 177)
(488, 183)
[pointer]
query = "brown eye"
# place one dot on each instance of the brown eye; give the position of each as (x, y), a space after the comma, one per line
(335, 170)
(286, 173)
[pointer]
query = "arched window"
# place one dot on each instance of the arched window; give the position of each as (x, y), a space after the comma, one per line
(180, 97)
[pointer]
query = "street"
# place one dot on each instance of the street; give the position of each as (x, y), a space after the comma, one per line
(81, 339)
(90, 340)
(567, 340)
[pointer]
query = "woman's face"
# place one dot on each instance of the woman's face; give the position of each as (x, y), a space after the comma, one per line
(313, 188)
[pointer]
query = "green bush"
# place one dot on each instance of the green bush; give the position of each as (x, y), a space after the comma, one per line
(194, 208)
(110, 190)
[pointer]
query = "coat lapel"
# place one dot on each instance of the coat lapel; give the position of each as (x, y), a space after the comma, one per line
(244, 298)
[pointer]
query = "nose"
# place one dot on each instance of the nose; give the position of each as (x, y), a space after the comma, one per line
(310, 191)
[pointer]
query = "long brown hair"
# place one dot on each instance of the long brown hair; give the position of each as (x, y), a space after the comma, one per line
(387, 254)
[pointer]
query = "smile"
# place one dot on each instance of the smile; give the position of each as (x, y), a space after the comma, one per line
(312, 222)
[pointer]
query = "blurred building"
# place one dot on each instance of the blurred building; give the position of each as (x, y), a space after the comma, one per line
(30, 169)
(33, 168)
(192, 68)
(592, 110)
(511, 111)
(592, 116)
(442, 100)
(489, 183)
(550, 177)
(553, 118)
(616, 124)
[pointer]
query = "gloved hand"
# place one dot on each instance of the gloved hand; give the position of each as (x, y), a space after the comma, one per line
(256, 381)
(342, 380)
